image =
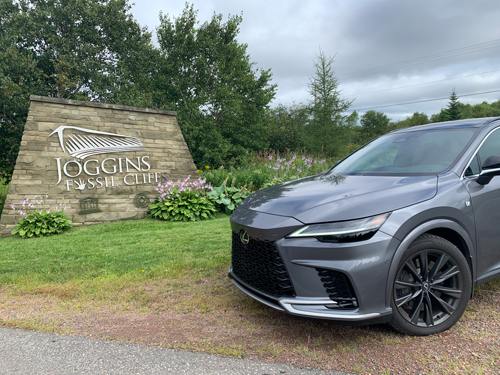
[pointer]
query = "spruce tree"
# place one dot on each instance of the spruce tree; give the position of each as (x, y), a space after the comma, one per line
(325, 132)
(453, 112)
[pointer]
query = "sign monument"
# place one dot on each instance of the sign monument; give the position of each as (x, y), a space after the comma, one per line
(101, 161)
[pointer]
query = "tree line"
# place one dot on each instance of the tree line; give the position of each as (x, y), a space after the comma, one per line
(94, 50)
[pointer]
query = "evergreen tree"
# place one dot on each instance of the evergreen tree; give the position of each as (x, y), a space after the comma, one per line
(453, 112)
(325, 131)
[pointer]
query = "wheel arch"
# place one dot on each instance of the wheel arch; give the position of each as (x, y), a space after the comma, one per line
(445, 228)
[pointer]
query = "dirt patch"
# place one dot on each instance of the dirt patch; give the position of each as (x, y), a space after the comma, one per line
(215, 317)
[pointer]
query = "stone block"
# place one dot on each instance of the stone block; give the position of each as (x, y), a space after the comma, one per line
(32, 189)
(35, 147)
(44, 118)
(48, 127)
(165, 165)
(56, 190)
(101, 217)
(120, 190)
(9, 219)
(25, 159)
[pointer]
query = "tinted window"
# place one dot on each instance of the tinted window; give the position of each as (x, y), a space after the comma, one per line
(422, 152)
(490, 147)
(473, 168)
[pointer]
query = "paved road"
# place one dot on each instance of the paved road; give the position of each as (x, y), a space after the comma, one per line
(26, 352)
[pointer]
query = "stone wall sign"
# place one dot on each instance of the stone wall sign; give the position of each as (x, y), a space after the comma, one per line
(74, 151)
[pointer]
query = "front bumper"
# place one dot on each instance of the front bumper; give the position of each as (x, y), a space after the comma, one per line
(364, 265)
(312, 307)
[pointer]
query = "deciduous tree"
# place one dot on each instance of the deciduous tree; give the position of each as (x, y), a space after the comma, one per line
(207, 76)
(78, 49)
(287, 127)
(373, 125)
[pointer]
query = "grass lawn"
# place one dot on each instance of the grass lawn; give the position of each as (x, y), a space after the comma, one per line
(166, 284)
(129, 250)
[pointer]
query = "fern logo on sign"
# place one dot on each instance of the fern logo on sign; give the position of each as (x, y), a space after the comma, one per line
(81, 146)
(83, 143)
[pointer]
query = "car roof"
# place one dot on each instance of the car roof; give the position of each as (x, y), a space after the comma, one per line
(468, 123)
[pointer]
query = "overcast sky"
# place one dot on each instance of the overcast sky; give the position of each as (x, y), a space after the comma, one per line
(386, 52)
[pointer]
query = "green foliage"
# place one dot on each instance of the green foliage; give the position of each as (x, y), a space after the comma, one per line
(326, 132)
(186, 206)
(466, 111)
(243, 176)
(4, 187)
(259, 170)
(453, 112)
(42, 223)
(279, 180)
(227, 198)
(286, 126)
(415, 119)
(373, 125)
(182, 201)
(206, 75)
(86, 50)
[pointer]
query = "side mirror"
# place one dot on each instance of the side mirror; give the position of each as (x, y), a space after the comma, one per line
(493, 162)
(490, 169)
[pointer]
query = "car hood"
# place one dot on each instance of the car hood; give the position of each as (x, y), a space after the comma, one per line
(328, 197)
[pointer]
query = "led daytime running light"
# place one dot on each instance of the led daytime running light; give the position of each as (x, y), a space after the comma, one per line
(341, 227)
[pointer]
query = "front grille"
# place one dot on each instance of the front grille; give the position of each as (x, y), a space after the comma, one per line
(339, 288)
(259, 265)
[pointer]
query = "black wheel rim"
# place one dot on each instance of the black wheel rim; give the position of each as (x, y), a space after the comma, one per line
(428, 288)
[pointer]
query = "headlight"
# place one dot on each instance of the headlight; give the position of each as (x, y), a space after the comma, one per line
(343, 231)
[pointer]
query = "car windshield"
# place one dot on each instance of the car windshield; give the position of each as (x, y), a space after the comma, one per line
(412, 152)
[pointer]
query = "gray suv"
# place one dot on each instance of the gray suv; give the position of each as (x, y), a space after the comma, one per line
(399, 231)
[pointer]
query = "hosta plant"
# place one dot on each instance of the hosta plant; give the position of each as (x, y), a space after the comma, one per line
(42, 223)
(39, 221)
(227, 198)
(184, 201)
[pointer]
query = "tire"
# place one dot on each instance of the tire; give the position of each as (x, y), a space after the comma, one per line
(431, 288)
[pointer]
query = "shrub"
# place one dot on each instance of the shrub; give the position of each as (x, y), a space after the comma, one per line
(266, 168)
(36, 221)
(185, 202)
(279, 180)
(227, 198)
(43, 223)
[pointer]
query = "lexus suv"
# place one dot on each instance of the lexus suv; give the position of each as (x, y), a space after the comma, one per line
(400, 231)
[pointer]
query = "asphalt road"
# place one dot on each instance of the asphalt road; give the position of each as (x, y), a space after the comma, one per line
(27, 352)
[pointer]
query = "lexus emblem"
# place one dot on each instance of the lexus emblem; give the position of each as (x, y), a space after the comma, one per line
(244, 237)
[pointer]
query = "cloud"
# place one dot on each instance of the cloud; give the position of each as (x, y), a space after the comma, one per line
(410, 40)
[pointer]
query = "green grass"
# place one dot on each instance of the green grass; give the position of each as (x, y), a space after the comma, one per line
(137, 248)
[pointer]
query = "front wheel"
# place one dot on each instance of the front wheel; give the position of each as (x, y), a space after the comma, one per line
(432, 287)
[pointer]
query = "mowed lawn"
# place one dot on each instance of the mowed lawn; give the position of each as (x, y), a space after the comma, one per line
(127, 249)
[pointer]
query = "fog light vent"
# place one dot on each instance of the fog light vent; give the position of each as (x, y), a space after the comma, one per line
(339, 289)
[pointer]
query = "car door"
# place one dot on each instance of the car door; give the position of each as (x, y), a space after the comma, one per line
(485, 201)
